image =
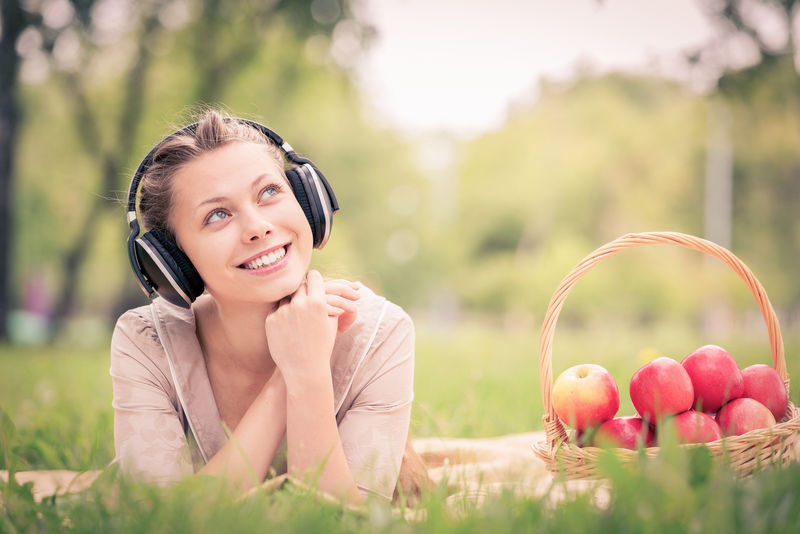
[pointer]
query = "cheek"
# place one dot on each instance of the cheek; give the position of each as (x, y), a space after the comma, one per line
(206, 255)
(203, 262)
(306, 231)
(295, 214)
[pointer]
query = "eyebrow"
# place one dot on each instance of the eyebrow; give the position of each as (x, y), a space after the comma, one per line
(256, 183)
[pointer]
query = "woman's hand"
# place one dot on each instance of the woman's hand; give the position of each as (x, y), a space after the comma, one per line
(302, 330)
(341, 295)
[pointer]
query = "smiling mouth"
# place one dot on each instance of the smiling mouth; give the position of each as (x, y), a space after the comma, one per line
(265, 260)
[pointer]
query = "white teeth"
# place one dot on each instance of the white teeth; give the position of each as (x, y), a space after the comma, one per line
(266, 259)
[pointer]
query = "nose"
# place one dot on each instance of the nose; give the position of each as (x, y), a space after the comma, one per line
(255, 226)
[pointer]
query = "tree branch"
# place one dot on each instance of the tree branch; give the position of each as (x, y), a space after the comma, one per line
(732, 12)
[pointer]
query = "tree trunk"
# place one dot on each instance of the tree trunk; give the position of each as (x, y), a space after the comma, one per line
(13, 21)
(112, 162)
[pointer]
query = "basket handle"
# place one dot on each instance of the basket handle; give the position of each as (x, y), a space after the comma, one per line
(554, 429)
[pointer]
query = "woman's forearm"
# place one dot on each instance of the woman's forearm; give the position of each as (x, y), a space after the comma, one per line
(314, 447)
(246, 456)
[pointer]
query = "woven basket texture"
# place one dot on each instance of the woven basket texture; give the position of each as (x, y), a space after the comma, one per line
(746, 454)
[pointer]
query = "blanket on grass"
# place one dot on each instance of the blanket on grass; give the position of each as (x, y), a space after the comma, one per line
(471, 469)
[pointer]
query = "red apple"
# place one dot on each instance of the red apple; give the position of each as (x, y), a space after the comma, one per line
(696, 427)
(764, 384)
(715, 375)
(661, 388)
(625, 432)
(743, 415)
(585, 396)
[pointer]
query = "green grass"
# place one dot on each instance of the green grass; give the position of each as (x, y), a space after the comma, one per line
(478, 381)
(679, 493)
(60, 403)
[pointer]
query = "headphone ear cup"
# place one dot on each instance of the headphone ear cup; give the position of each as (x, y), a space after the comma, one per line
(171, 271)
(306, 195)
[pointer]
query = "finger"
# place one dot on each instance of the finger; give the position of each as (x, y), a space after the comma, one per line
(342, 290)
(333, 311)
(314, 283)
(339, 302)
(342, 283)
(349, 283)
(302, 289)
(346, 320)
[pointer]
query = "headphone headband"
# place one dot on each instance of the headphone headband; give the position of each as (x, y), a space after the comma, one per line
(147, 161)
(163, 269)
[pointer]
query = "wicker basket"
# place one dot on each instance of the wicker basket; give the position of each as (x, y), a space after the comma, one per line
(746, 453)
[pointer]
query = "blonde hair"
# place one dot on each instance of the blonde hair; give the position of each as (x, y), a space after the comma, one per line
(214, 129)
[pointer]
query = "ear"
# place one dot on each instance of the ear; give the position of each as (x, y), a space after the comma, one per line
(169, 268)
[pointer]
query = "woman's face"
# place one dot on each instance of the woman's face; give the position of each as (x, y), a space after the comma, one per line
(236, 218)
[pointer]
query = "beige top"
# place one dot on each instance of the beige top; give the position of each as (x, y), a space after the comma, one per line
(166, 423)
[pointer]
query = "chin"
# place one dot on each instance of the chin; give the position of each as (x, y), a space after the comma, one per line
(273, 291)
(265, 292)
(284, 291)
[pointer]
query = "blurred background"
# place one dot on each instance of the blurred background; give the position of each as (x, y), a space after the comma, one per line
(479, 150)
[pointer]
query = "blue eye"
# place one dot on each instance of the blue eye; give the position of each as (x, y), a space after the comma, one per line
(216, 215)
(270, 191)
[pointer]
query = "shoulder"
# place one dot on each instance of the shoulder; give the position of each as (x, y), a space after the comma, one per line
(382, 330)
(136, 327)
(381, 339)
(380, 317)
(135, 343)
(145, 325)
(138, 355)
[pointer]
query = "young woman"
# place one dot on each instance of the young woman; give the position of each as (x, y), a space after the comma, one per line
(261, 361)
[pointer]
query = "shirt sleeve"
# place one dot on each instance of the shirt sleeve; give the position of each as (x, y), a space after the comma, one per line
(149, 438)
(375, 427)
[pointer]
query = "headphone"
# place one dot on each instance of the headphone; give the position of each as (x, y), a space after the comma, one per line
(163, 269)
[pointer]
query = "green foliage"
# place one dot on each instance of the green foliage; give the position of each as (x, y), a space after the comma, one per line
(605, 156)
(575, 170)
(682, 490)
(764, 104)
(585, 163)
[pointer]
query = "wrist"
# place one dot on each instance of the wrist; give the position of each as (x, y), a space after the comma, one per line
(275, 387)
(302, 381)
